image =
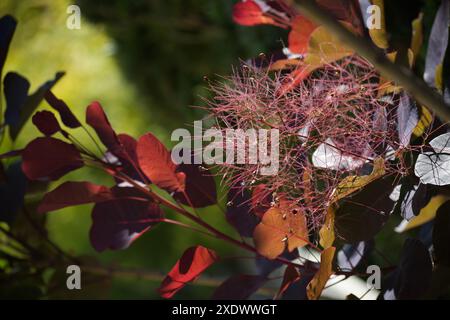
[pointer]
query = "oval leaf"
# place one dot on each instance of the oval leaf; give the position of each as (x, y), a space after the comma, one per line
(156, 163)
(49, 158)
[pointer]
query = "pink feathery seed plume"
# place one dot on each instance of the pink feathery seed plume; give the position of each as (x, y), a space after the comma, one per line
(331, 125)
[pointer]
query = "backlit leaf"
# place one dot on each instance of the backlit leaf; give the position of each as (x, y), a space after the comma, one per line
(7, 27)
(412, 278)
(282, 226)
(156, 163)
(74, 193)
(417, 36)
(441, 235)
(317, 284)
(200, 187)
(118, 222)
(96, 118)
(194, 261)
(379, 35)
(326, 233)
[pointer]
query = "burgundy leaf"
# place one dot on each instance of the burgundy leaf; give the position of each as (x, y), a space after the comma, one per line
(46, 122)
(129, 159)
(117, 223)
(67, 117)
(96, 118)
(74, 193)
(200, 186)
(49, 158)
(239, 287)
(194, 261)
(156, 163)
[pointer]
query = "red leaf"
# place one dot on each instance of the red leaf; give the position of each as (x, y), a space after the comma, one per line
(129, 159)
(67, 117)
(300, 34)
(46, 122)
(96, 118)
(249, 13)
(194, 261)
(239, 287)
(49, 158)
(156, 163)
(117, 223)
(74, 193)
(200, 186)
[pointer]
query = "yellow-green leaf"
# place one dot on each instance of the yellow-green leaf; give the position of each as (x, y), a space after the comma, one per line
(379, 35)
(327, 235)
(318, 282)
(417, 36)
(425, 215)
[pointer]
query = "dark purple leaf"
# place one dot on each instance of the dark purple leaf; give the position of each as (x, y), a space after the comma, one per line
(190, 266)
(117, 223)
(46, 122)
(412, 277)
(7, 27)
(12, 192)
(30, 104)
(441, 235)
(363, 215)
(200, 186)
(67, 117)
(239, 213)
(96, 118)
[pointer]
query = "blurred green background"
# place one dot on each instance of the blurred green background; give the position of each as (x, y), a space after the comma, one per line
(145, 61)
